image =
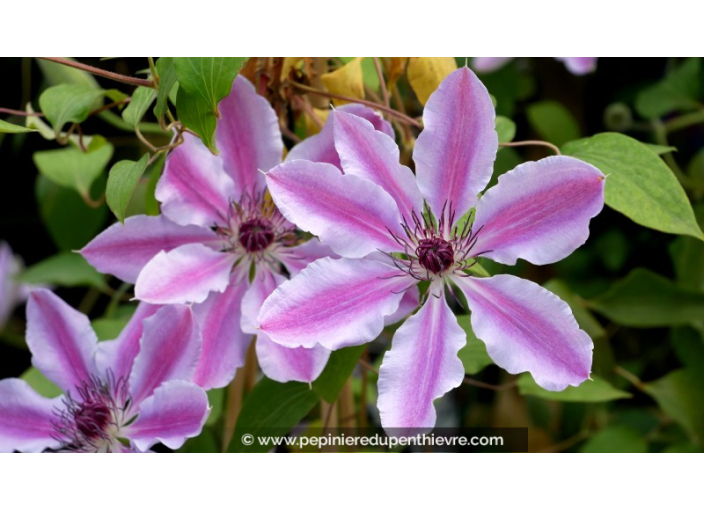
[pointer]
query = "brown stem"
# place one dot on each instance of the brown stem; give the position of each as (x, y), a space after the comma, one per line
(532, 142)
(370, 104)
(101, 72)
(111, 105)
(20, 113)
(480, 384)
(382, 82)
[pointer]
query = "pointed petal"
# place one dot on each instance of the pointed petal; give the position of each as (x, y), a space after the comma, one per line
(374, 156)
(224, 343)
(284, 364)
(124, 249)
(297, 258)
(25, 418)
(176, 411)
(409, 302)
(335, 303)
(539, 211)
(61, 340)
(489, 64)
(456, 150)
(194, 189)
(350, 214)
(184, 275)
(320, 148)
(118, 355)
(527, 328)
(579, 65)
(421, 366)
(248, 137)
(169, 350)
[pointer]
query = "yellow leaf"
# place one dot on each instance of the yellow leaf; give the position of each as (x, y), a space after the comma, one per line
(287, 66)
(312, 127)
(395, 67)
(346, 81)
(426, 73)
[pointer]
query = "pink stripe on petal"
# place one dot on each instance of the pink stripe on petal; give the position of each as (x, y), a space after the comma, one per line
(169, 350)
(284, 364)
(350, 214)
(335, 303)
(124, 249)
(409, 302)
(297, 258)
(184, 275)
(194, 189)
(25, 418)
(61, 340)
(421, 366)
(248, 137)
(527, 328)
(539, 211)
(176, 411)
(456, 150)
(224, 342)
(374, 156)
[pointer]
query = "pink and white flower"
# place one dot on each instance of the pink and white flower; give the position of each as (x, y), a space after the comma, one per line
(393, 228)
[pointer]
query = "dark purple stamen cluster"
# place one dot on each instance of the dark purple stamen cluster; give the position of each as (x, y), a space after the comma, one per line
(436, 255)
(85, 421)
(256, 235)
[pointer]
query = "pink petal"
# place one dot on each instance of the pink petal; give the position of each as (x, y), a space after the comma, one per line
(224, 343)
(61, 340)
(248, 137)
(124, 249)
(284, 364)
(527, 328)
(25, 418)
(350, 214)
(335, 303)
(421, 366)
(374, 156)
(320, 148)
(539, 211)
(579, 65)
(194, 189)
(297, 258)
(489, 64)
(176, 411)
(184, 275)
(409, 302)
(169, 350)
(118, 355)
(455, 152)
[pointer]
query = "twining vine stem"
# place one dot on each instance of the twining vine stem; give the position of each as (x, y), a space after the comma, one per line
(532, 142)
(139, 82)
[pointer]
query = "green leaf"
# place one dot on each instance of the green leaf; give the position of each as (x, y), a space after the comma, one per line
(660, 149)
(645, 299)
(596, 390)
(205, 442)
(123, 179)
(166, 80)
(338, 369)
(553, 122)
(688, 344)
(616, 439)
(69, 220)
(68, 103)
(8, 127)
(193, 113)
(142, 99)
(371, 78)
(638, 184)
(109, 328)
(505, 128)
(65, 269)
(40, 383)
(584, 317)
(207, 79)
(678, 91)
(271, 406)
(679, 394)
(688, 258)
(473, 355)
(73, 168)
(57, 74)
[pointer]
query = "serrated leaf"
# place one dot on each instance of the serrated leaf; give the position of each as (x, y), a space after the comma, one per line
(193, 113)
(473, 355)
(8, 127)
(638, 184)
(553, 122)
(505, 128)
(207, 79)
(73, 168)
(68, 103)
(616, 439)
(40, 383)
(337, 370)
(167, 79)
(142, 99)
(271, 405)
(679, 394)
(679, 90)
(348, 81)
(66, 269)
(596, 390)
(426, 73)
(122, 180)
(645, 299)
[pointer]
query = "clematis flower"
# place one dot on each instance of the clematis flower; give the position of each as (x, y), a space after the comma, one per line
(120, 396)
(11, 292)
(575, 65)
(374, 217)
(220, 242)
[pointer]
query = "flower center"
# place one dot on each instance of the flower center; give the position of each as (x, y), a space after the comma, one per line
(435, 255)
(256, 235)
(92, 418)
